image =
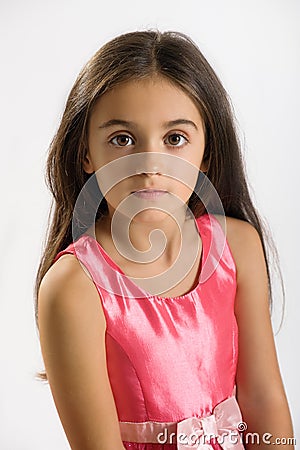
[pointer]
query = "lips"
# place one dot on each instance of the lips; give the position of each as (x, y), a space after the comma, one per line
(150, 194)
(149, 190)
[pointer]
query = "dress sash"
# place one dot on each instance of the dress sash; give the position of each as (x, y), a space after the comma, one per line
(222, 426)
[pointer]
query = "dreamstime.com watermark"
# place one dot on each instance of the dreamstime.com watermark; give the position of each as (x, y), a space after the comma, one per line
(230, 437)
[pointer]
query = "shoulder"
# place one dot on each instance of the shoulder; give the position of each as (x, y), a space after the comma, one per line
(65, 269)
(67, 288)
(245, 245)
(66, 274)
(241, 233)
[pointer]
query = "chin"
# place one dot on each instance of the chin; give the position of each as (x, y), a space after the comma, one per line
(149, 216)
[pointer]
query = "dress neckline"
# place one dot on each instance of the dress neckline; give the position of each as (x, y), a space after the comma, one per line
(203, 258)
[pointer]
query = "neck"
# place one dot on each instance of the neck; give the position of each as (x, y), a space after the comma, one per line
(146, 238)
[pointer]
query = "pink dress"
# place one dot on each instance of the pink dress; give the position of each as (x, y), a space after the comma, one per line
(171, 361)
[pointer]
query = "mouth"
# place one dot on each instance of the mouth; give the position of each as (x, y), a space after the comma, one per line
(149, 194)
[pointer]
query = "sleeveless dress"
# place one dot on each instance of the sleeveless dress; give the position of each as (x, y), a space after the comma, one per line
(171, 361)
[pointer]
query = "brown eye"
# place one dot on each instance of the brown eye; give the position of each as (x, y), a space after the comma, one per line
(177, 140)
(121, 140)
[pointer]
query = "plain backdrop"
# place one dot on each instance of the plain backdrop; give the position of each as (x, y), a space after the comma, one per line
(254, 47)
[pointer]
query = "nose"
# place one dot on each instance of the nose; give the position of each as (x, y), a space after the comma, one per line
(149, 162)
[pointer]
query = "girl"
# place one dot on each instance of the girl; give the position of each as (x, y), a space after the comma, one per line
(140, 355)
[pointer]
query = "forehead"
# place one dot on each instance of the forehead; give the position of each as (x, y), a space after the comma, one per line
(146, 99)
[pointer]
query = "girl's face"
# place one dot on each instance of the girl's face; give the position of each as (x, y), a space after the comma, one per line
(147, 116)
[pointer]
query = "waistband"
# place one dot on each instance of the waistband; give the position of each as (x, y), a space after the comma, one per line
(222, 426)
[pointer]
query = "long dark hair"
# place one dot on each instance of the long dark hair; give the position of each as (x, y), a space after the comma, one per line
(137, 55)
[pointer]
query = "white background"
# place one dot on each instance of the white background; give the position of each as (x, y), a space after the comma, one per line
(253, 46)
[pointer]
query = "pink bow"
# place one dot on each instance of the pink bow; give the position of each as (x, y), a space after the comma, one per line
(195, 433)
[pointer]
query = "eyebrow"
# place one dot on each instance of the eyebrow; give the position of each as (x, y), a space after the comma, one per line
(128, 124)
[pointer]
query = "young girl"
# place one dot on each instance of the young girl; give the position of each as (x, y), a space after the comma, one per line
(153, 292)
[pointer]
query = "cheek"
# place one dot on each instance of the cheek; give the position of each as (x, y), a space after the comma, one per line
(187, 176)
(113, 190)
(183, 189)
(109, 175)
(197, 155)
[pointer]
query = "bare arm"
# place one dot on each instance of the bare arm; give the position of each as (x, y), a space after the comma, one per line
(72, 335)
(260, 390)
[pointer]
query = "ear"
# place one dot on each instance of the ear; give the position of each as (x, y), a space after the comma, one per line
(87, 164)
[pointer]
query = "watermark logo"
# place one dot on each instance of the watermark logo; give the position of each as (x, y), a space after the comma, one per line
(175, 168)
(228, 437)
(242, 426)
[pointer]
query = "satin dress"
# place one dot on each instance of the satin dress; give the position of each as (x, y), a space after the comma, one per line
(171, 361)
